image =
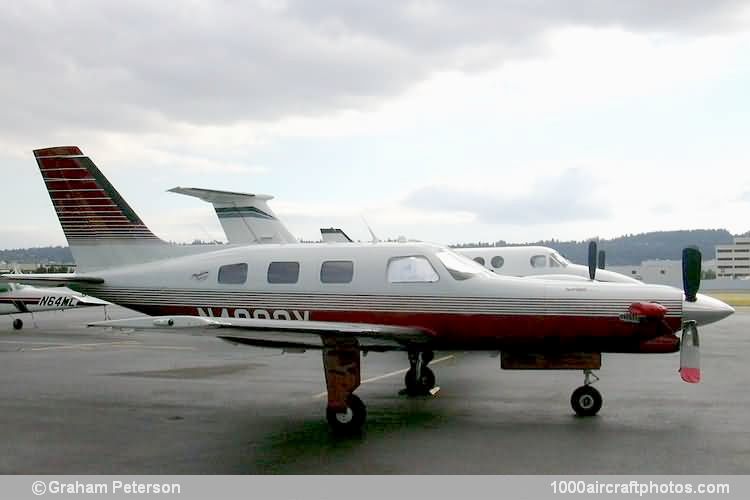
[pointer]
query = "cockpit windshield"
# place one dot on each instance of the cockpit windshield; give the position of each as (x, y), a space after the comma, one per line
(557, 260)
(460, 267)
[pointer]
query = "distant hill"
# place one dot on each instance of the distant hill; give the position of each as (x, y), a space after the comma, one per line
(632, 249)
(41, 255)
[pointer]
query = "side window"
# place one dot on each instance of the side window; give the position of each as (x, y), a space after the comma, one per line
(3, 288)
(414, 269)
(283, 272)
(479, 260)
(497, 262)
(539, 261)
(233, 274)
(337, 271)
(553, 262)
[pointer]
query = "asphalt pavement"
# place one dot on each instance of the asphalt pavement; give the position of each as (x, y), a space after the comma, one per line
(78, 400)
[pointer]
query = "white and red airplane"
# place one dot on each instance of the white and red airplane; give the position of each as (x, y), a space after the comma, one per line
(16, 299)
(357, 298)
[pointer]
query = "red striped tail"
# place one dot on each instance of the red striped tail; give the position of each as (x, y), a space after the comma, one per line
(102, 230)
(89, 208)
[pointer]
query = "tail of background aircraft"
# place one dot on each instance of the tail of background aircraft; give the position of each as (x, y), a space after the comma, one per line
(101, 228)
(246, 218)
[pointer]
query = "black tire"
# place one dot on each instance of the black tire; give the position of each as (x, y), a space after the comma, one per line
(586, 401)
(17, 324)
(352, 420)
(423, 385)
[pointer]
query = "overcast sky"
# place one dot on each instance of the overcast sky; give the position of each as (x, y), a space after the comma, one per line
(443, 121)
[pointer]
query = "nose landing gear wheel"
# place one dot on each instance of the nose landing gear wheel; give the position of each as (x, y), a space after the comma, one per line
(17, 324)
(586, 401)
(349, 421)
(418, 386)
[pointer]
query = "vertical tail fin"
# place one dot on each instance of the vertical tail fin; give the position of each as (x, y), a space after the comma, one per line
(101, 228)
(88, 206)
(334, 235)
(246, 218)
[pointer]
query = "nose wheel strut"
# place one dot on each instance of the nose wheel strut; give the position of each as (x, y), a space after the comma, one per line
(586, 400)
(419, 379)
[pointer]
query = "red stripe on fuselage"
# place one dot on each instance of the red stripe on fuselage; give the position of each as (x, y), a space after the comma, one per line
(483, 331)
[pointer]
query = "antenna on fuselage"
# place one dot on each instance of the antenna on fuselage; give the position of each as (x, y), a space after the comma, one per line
(375, 239)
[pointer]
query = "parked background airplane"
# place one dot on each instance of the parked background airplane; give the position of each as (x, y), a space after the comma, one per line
(18, 299)
(354, 298)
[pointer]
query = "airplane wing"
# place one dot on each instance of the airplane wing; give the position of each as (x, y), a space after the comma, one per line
(284, 333)
(52, 279)
(88, 300)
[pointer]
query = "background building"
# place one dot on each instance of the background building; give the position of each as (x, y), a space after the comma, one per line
(733, 260)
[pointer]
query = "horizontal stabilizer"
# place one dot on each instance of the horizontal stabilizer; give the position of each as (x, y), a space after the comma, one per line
(245, 217)
(216, 196)
(52, 279)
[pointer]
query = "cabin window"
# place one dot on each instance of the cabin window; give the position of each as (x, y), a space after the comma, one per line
(479, 260)
(337, 271)
(3, 288)
(413, 269)
(539, 261)
(283, 272)
(497, 262)
(233, 274)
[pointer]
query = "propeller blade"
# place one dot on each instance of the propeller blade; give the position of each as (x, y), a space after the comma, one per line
(691, 272)
(690, 367)
(601, 264)
(592, 260)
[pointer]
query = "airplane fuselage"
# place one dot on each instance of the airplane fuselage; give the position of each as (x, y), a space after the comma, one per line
(476, 310)
(18, 299)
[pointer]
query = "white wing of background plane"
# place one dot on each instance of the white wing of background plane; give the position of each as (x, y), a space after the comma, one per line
(246, 218)
(284, 333)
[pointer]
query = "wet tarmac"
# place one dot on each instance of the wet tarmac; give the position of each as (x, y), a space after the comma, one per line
(79, 400)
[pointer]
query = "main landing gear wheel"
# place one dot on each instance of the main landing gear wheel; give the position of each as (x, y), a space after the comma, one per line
(419, 386)
(349, 421)
(17, 324)
(586, 401)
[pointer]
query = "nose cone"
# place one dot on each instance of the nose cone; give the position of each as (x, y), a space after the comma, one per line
(705, 310)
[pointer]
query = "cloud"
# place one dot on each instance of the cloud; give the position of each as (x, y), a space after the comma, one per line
(135, 66)
(567, 197)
